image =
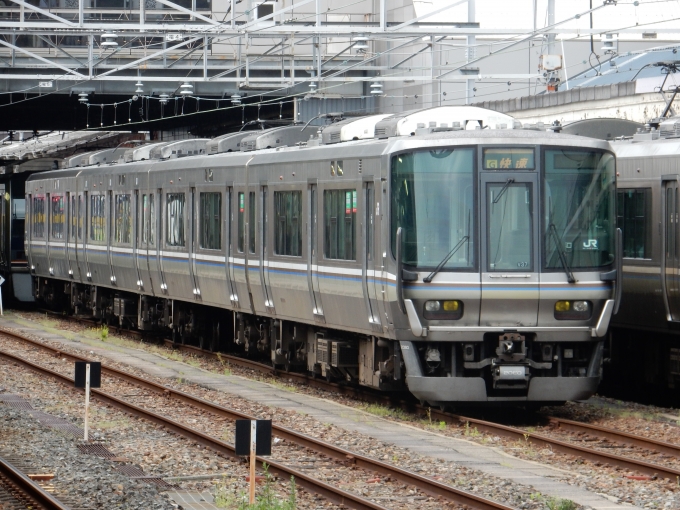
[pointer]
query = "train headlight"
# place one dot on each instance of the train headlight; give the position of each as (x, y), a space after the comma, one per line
(443, 310)
(580, 306)
(573, 310)
(432, 306)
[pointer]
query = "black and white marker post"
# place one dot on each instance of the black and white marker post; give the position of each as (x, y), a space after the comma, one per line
(253, 437)
(88, 375)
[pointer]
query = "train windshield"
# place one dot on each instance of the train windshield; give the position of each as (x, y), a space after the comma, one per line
(579, 206)
(432, 201)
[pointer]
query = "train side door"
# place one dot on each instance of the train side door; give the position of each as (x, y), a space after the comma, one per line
(510, 263)
(229, 258)
(264, 248)
(139, 247)
(193, 242)
(70, 233)
(368, 254)
(155, 255)
(83, 232)
(313, 253)
(671, 250)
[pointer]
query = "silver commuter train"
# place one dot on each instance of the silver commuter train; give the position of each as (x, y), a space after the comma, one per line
(646, 334)
(470, 265)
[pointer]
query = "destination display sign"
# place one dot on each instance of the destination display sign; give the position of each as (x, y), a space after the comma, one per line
(509, 158)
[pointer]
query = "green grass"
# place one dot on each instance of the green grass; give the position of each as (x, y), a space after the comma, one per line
(386, 412)
(266, 500)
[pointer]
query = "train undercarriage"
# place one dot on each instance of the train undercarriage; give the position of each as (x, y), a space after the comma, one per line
(326, 353)
(499, 368)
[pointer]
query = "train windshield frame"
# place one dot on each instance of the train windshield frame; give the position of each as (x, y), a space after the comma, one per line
(433, 199)
(579, 207)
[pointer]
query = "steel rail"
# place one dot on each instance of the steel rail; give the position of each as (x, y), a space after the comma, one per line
(427, 485)
(567, 448)
(16, 482)
(328, 491)
(616, 435)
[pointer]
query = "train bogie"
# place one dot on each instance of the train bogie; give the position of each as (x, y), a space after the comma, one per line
(466, 266)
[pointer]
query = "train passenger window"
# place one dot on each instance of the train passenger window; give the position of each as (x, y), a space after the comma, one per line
(241, 222)
(123, 220)
(98, 217)
(633, 217)
(57, 217)
(211, 221)
(38, 217)
(251, 222)
(288, 226)
(340, 211)
(175, 223)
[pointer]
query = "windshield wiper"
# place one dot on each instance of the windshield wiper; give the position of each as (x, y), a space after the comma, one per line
(429, 277)
(503, 189)
(563, 259)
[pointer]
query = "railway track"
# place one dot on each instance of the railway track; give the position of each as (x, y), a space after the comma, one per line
(346, 457)
(514, 433)
(19, 489)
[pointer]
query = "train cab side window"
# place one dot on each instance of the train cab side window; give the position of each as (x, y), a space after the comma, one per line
(241, 222)
(175, 224)
(340, 211)
(211, 221)
(57, 217)
(98, 217)
(38, 216)
(633, 217)
(288, 226)
(123, 220)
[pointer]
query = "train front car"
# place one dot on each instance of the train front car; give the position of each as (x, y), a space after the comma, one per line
(503, 243)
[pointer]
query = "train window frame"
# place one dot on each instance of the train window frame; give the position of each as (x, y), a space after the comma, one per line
(345, 197)
(387, 206)
(175, 219)
(57, 216)
(645, 220)
(122, 223)
(97, 218)
(215, 243)
(543, 207)
(288, 227)
(38, 216)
